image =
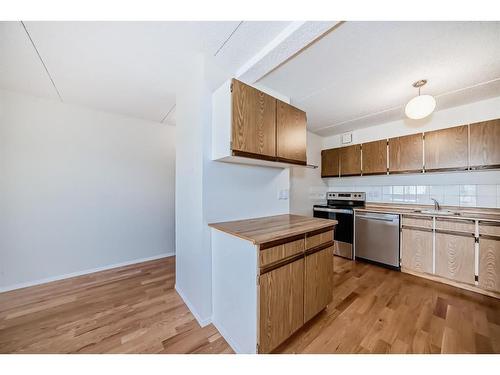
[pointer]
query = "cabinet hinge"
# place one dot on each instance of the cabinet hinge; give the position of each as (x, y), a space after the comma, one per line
(476, 278)
(476, 239)
(231, 87)
(231, 145)
(257, 348)
(258, 279)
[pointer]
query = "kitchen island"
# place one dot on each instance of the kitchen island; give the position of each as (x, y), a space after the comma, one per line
(270, 275)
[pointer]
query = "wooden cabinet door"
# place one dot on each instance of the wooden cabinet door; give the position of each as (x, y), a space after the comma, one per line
(330, 163)
(416, 249)
(374, 157)
(485, 144)
(253, 121)
(291, 133)
(455, 256)
(406, 154)
(447, 149)
(489, 263)
(281, 310)
(350, 160)
(318, 282)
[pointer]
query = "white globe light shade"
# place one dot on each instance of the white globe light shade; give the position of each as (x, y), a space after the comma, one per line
(420, 106)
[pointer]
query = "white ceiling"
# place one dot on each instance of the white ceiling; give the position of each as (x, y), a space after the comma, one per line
(130, 68)
(361, 73)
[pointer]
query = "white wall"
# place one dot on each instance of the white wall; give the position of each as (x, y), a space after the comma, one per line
(80, 189)
(307, 188)
(467, 189)
(211, 191)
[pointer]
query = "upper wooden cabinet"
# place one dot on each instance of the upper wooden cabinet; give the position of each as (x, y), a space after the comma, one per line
(330, 163)
(374, 157)
(254, 120)
(350, 160)
(447, 149)
(291, 133)
(252, 127)
(406, 154)
(485, 144)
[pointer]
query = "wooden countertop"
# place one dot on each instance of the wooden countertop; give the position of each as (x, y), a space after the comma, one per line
(465, 214)
(270, 228)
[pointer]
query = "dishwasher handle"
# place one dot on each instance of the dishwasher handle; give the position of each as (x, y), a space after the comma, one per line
(383, 217)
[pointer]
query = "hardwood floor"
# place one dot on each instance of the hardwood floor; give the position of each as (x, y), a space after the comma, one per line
(135, 309)
(376, 310)
(132, 309)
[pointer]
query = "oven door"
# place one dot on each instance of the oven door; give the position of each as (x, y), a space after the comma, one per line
(344, 231)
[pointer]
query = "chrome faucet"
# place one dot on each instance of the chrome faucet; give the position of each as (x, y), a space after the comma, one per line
(437, 207)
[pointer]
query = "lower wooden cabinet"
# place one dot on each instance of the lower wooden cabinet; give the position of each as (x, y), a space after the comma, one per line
(281, 304)
(455, 256)
(293, 293)
(416, 249)
(318, 282)
(489, 263)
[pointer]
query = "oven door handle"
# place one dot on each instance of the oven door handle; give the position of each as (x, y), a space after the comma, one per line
(337, 210)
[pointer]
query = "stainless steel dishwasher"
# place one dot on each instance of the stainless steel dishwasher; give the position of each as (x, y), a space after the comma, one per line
(376, 238)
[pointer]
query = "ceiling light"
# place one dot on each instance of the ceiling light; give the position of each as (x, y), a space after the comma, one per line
(422, 105)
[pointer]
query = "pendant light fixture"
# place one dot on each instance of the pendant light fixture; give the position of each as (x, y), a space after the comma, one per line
(422, 105)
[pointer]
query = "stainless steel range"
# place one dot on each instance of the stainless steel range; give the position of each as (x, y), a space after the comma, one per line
(339, 206)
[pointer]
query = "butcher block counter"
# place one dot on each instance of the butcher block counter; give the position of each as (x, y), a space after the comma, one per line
(270, 276)
(272, 228)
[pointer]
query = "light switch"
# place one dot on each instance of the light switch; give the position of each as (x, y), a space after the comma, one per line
(283, 194)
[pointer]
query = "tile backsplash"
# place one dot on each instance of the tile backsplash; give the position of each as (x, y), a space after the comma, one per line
(447, 195)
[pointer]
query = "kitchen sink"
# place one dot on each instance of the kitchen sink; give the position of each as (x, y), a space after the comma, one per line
(437, 212)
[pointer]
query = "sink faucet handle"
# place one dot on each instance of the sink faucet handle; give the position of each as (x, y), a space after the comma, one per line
(436, 204)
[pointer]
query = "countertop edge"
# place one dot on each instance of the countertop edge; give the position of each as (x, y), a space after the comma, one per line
(320, 225)
(389, 210)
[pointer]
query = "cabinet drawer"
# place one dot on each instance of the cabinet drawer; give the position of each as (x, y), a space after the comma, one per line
(316, 239)
(490, 228)
(279, 252)
(457, 225)
(417, 221)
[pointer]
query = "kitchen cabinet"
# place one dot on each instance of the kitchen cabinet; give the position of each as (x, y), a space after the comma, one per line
(281, 304)
(318, 281)
(350, 160)
(406, 154)
(330, 163)
(416, 249)
(447, 149)
(463, 147)
(484, 144)
(489, 263)
(253, 121)
(252, 127)
(269, 276)
(455, 256)
(291, 133)
(489, 256)
(374, 157)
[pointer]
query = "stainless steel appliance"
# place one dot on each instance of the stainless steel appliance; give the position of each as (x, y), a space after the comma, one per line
(339, 206)
(376, 238)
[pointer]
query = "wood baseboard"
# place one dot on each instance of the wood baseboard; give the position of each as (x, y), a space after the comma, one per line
(470, 288)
